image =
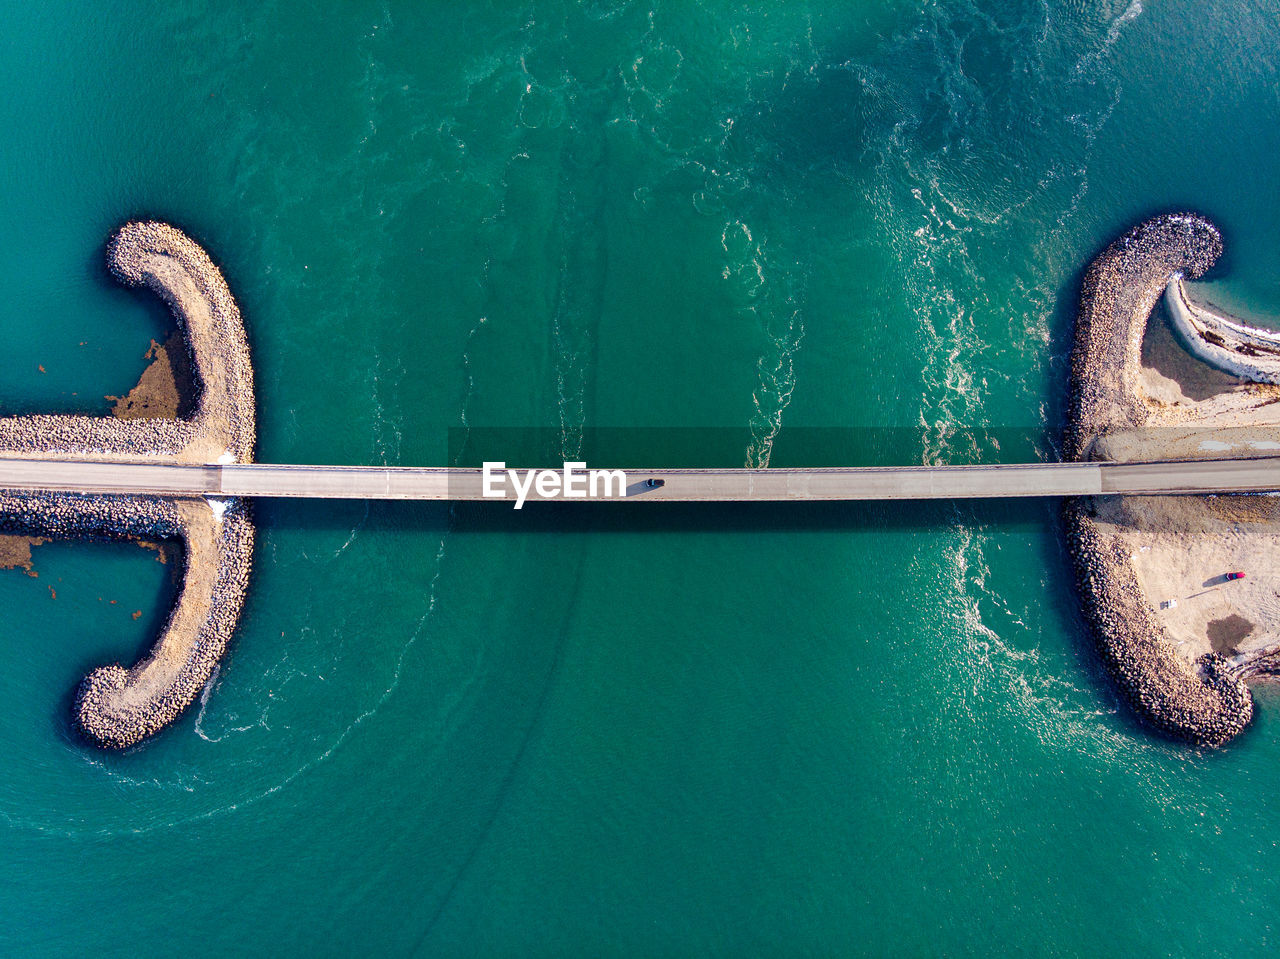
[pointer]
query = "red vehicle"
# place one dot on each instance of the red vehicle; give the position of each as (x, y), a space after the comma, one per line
(1236, 575)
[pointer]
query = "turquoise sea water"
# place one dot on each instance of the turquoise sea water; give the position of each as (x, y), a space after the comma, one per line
(802, 233)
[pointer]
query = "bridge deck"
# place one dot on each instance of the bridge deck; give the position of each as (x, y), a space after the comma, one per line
(848, 483)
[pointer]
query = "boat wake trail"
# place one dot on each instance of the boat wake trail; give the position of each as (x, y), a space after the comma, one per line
(187, 782)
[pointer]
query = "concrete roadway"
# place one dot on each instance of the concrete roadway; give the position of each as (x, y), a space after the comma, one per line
(847, 483)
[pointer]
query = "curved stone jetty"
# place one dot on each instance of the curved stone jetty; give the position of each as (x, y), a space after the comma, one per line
(120, 707)
(1120, 289)
(1164, 658)
(1202, 702)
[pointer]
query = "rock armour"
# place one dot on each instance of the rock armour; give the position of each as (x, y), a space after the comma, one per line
(1203, 702)
(118, 707)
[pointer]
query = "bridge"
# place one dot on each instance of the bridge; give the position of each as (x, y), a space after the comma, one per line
(156, 471)
(1258, 474)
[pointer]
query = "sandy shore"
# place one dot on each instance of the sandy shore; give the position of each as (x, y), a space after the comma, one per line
(1177, 635)
(115, 706)
(1222, 341)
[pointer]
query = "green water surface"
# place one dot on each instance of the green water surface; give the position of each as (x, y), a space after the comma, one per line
(733, 731)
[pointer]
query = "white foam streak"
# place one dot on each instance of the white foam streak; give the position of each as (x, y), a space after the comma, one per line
(355, 533)
(1131, 13)
(773, 307)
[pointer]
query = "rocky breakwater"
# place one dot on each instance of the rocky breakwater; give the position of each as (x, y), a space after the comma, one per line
(1197, 698)
(1200, 701)
(115, 706)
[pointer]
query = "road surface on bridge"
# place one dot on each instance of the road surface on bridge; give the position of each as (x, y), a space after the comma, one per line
(685, 485)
